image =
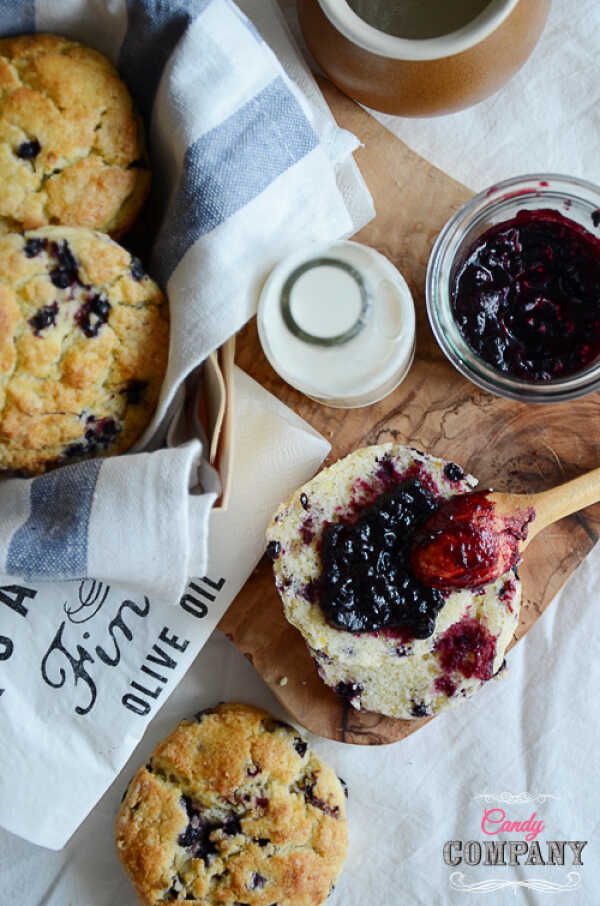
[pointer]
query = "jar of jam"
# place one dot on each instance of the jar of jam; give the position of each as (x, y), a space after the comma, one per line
(513, 288)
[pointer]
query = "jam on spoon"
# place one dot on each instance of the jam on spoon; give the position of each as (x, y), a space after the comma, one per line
(526, 297)
(468, 542)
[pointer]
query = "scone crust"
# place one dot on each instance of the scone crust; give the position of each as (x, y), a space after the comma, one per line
(84, 337)
(376, 671)
(72, 147)
(233, 807)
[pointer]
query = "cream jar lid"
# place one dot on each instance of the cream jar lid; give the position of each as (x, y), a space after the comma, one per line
(336, 320)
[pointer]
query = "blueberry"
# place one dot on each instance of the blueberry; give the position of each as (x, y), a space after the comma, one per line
(419, 709)
(34, 246)
(263, 841)
(310, 591)
(348, 690)
(76, 450)
(196, 837)
(308, 789)
(254, 770)
(453, 472)
(44, 317)
(304, 501)
(65, 257)
(98, 436)
(232, 826)
(29, 150)
(137, 269)
(300, 746)
(60, 278)
(93, 314)
(66, 272)
(273, 549)
(257, 882)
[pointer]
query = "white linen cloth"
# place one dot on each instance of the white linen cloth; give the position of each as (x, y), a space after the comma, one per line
(245, 171)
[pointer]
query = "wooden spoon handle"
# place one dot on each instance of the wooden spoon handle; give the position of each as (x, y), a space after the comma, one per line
(568, 498)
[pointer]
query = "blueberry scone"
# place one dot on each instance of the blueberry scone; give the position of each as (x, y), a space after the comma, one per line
(233, 808)
(341, 554)
(71, 144)
(84, 337)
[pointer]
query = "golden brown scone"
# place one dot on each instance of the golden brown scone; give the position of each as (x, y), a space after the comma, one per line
(233, 807)
(84, 337)
(71, 144)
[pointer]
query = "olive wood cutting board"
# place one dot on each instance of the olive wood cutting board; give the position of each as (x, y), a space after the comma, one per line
(507, 445)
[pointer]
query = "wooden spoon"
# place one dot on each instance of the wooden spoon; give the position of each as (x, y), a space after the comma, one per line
(475, 538)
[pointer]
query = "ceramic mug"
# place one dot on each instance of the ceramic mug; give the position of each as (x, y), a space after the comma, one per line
(422, 76)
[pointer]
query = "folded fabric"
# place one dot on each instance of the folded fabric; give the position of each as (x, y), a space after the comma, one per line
(241, 176)
(121, 516)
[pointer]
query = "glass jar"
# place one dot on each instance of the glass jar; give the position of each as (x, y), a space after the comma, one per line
(336, 321)
(575, 199)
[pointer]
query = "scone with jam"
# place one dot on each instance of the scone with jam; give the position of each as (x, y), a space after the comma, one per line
(72, 148)
(383, 641)
(233, 808)
(83, 348)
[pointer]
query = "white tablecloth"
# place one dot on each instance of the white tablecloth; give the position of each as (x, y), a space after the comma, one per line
(537, 731)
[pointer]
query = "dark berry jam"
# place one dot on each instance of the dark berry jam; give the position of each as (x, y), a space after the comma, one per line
(367, 583)
(526, 297)
(469, 648)
(467, 543)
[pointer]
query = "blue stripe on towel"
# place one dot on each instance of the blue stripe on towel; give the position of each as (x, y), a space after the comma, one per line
(54, 540)
(153, 31)
(231, 165)
(17, 18)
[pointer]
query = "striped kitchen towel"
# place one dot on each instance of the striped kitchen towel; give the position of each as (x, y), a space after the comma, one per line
(243, 171)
